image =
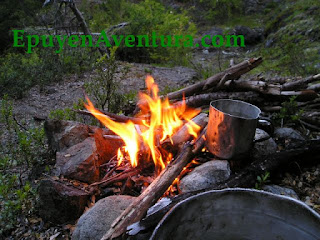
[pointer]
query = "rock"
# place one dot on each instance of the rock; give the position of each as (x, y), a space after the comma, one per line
(251, 35)
(264, 148)
(212, 32)
(280, 191)
(59, 203)
(261, 135)
(94, 223)
(205, 175)
(82, 161)
(288, 133)
(64, 134)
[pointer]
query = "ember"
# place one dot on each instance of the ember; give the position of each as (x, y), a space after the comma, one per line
(163, 120)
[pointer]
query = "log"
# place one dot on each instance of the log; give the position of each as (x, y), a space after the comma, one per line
(246, 178)
(270, 89)
(115, 117)
(154, 191)
(300, 84)
(205, 99)
(233, 72)
(182, 135)
(314, 87)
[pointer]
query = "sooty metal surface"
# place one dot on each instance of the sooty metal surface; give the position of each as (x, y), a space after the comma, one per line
(239, 214)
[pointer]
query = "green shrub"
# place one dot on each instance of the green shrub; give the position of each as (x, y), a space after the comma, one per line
(21, 71)
(23, 148)
(104, 88)
(146, 17)
(220, 11)
(290, 112)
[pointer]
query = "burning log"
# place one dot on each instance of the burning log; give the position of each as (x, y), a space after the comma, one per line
(115, 117)
(183, 135)
(246, 178)
(231, 73)
(155, 190)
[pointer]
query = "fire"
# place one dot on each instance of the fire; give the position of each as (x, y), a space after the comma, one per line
(163, 121)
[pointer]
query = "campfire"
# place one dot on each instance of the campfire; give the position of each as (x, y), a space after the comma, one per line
(149, 154)
(153, 142)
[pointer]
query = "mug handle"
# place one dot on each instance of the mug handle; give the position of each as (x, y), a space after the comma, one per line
(266, 124)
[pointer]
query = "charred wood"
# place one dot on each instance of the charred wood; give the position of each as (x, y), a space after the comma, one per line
(155, 190)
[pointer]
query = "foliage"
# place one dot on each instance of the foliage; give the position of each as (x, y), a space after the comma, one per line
(222, 9)
(104, 88)
(262, 180)
(290, 112)
(15, 199)
(291, 46)
(19, 72)
(21, 149)
(146, 17)
(15, 14)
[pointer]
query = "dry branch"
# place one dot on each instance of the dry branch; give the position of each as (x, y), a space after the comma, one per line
(183, 135)
(154, 191)
(233, 72)
(300, 84)
(314, 87)
(115, 117)
(205, 99)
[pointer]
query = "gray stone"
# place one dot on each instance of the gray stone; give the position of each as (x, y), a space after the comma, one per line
(251, 35)
(261, 135)
(59, 203)
(205, 175)
(264, 148)
(280, 191)
(288, 133)
(94, 223)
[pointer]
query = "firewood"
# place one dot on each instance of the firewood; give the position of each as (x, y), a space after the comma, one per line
(231, 73)
(300, 84)
(154, 191)
(246, 178)
(234, 72)
(205, 99)
(182, 135)
(115, 117)
(314, 87)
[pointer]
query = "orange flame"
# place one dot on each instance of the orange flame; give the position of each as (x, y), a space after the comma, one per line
(163, 121)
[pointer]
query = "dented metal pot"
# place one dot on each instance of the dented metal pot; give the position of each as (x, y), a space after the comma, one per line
(231, 128)
(239, 214)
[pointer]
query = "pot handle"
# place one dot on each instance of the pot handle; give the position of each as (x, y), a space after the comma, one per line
(266, 124)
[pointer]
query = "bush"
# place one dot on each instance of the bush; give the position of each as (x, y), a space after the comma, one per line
(20, 71)
(23, 148)
(146, 17)
(104, 88)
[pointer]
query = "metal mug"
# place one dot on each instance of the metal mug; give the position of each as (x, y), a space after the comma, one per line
(231, 128)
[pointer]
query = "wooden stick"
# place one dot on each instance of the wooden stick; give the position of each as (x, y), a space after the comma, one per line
(205, 99)
(152, 193)
(234, 72)
(300, 84)
(115, 117)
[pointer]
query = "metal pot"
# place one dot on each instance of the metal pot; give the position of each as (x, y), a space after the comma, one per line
(231, 128)
(239, 214)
